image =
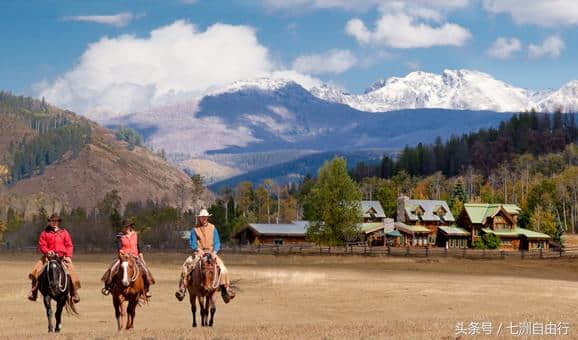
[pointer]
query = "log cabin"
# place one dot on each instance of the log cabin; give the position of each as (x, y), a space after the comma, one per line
(427, 213)
(502, 221)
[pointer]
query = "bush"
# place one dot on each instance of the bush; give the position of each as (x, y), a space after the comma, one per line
(487, 241)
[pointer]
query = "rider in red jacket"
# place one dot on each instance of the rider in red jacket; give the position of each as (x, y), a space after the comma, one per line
(54, 240)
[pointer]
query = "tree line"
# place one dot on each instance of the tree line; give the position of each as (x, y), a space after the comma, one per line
(484, 150)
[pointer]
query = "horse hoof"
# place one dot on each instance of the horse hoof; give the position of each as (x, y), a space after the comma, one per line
(49, 330)
(57, 330)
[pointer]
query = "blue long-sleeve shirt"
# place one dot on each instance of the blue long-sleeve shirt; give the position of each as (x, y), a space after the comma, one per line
(216, 240)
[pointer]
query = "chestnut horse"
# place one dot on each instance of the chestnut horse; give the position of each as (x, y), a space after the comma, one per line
(54, 284)
(128, 286)
(202, 284)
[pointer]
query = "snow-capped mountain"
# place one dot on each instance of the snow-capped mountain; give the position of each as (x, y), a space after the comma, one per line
(283, 118)
(453, 89)
(565, 99)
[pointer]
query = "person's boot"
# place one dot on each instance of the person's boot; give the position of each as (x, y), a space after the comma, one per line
(33, 295)
(180, 294)
(105, 290)
(74, 295)
(147, 292)
(227, 293)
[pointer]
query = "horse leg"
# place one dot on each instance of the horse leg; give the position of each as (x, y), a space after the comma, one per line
(202, 306)
(48, 307)
(131, 312)
(211, 302)
(59, 307)
(118, 311)
(193, 300)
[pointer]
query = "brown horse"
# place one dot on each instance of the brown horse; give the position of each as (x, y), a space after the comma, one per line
(202, 284)
(128, 286)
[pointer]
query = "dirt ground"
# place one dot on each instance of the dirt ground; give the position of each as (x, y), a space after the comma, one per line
(302, 297)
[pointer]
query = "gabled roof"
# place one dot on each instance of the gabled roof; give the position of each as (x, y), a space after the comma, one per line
(298, 228)
(518, 232)
(411, 229)
(430, 207)
(375, 205)
(454, 231)
(478, 212)
(371, 227)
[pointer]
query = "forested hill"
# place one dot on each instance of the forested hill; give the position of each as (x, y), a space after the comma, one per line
(485, 150)
(53, 158)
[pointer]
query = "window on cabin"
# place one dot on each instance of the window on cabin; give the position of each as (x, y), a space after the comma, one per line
(279, 241)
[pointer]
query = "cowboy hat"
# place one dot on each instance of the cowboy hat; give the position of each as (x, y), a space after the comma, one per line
(54, 217)
(128, 222)
(204, 213)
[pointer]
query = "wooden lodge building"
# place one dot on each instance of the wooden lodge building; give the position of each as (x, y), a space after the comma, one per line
(273, 234)
(502, 221)
(375, 224)
(415, 216)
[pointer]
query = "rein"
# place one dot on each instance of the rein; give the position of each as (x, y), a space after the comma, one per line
(136, 271)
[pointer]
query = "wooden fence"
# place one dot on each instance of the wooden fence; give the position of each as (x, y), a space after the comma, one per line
(360, 250)
(401, 251)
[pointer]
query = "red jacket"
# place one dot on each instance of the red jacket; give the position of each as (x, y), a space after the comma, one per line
(128, 243)
(56, 241)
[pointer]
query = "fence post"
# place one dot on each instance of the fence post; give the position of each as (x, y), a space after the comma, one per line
(522, 254)
(407, 251)
(388, 250)
(426, 251)
(464, 253)
(502, 254)
(541, 253)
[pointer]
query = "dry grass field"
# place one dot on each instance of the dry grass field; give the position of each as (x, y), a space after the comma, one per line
(298, 297)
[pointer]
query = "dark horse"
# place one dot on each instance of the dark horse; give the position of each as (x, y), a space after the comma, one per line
(128, 286)
(202, 284)
(54, 284)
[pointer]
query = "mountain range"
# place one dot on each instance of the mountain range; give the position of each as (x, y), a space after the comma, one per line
(234, 129)
(453, 89)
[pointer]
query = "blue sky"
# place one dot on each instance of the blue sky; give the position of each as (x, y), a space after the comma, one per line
(335, 41)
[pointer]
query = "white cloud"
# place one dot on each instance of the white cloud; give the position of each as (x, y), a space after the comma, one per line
(175, 63)
(551, 47)
(332, 61)
(409, 28)
(537, 12)
(358, 5)
(118, 20)
(504, 48)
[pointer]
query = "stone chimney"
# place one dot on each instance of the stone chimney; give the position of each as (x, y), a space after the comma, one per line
(401, 202)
